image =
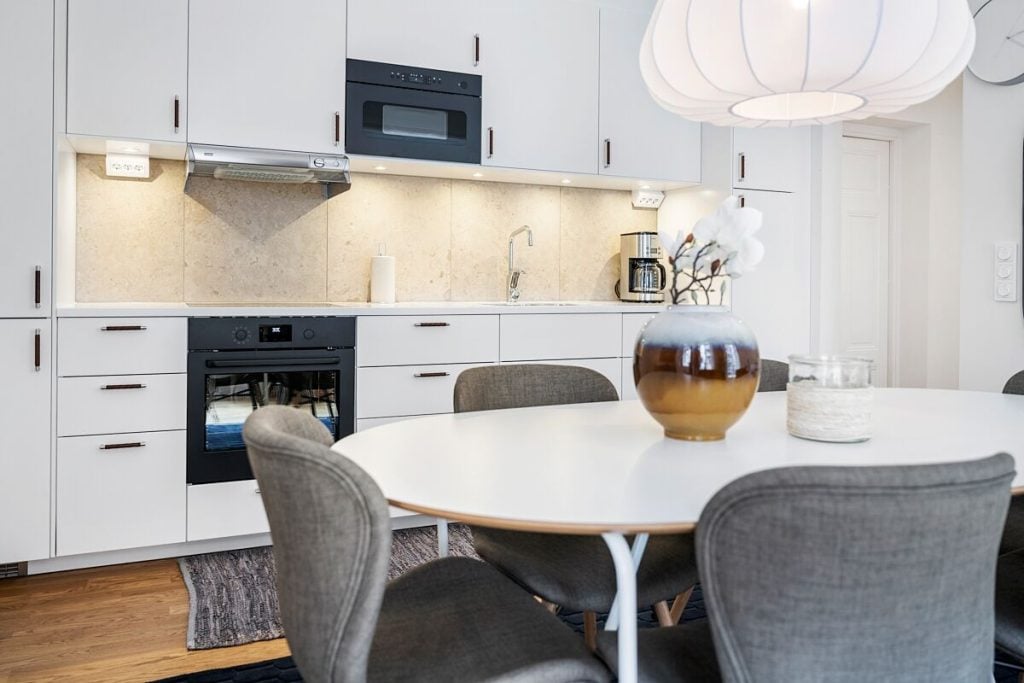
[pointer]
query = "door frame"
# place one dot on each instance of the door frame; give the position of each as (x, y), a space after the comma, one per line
(893, 136)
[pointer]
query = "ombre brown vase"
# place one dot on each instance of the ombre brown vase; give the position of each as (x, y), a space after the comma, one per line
(696, 370)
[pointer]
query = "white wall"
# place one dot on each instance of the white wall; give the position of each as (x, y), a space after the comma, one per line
(991, 333)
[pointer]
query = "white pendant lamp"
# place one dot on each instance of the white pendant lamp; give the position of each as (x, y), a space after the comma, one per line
(799, 62)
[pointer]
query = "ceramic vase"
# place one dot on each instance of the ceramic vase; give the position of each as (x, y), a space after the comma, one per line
(696, 370)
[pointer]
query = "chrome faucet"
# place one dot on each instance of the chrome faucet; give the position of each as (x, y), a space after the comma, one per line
(513, 272)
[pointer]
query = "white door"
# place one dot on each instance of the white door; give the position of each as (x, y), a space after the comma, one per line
(775, 299)
(863, 314)
(25, 454)
(768, 158)
(128, 68)
(267, 73)
(431, 35)
(26, 175)
(540, 93)
(637, 138)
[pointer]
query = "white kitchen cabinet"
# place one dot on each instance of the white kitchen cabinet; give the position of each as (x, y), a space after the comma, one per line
(637, 137)
(426, 339)
(775, 299)
(628, 391)
(553, 336)
(632, 323)
(406, 390)
(768, 158)
(25, 430)
(267, 73)
(231, 508)
(120, 492)
(121, 346)
(26, 137)
(120, 403)
(416, 33)
(540, 93)
(128, 68)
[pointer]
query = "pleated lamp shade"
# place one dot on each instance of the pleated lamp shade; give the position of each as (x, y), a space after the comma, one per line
(800, 62)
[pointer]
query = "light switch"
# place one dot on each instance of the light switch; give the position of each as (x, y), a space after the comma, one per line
(1005, 271)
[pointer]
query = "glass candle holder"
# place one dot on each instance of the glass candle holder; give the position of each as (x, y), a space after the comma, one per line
(829, 398)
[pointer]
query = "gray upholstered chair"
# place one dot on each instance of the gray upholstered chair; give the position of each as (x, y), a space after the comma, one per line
(1010, 605)
(842, 574)
(774, 375)
(573, 572)
(455, 619)
(1013, 531)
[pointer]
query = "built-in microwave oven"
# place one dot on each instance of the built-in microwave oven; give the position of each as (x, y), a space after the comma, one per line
(412, 113)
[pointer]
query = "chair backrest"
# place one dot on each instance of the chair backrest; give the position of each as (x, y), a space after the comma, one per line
(332, 539)
(494, 387)
(1015, 385)
(855, 573)
(774, 375)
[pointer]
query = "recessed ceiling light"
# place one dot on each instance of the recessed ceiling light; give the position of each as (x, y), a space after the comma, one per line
(566, 181)
(645, 187)
(380, 168)
(478, 175)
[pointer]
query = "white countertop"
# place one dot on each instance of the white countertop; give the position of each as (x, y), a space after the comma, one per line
(149, 310)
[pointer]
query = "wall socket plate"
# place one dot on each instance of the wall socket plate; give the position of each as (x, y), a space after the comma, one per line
(1005, 271)
(647, 199)
(127, 166)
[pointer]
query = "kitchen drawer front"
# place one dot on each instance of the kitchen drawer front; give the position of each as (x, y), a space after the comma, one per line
(628, 392)
(426, 339)
(121, 346)
(555, 336)
(135, 403)
(632, 323)
(609, 367)
(406, 390)
(232, 508)
(120, 497)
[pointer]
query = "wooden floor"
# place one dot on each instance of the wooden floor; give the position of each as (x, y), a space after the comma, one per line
(111, 624)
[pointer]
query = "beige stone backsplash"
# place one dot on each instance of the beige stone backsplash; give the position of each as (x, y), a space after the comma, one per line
(229, 241)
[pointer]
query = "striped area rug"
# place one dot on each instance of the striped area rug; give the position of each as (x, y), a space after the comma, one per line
(232, 597)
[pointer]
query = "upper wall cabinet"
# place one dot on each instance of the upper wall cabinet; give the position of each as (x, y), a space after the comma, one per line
(540, 85)
(26, 176)
(128, 68)
(768, 158)
(267, 73)
(430, 35)
(638, 139)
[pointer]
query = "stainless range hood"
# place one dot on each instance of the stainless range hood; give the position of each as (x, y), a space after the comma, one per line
(269, 166)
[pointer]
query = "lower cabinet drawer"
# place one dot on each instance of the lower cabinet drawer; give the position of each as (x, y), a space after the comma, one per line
(120, 404)
(628, 392)
(406, 390)
(232, 508)
(117, 492)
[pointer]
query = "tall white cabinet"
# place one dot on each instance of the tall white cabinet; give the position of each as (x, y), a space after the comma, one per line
(637, 138)
(540, 94)
(128, 68)
(267, 73)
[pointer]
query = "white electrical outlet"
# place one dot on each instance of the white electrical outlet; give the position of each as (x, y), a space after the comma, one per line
(1005, 271)
(127, 166)
(647, 199)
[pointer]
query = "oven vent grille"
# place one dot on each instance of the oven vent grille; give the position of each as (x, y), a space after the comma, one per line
(9, 571)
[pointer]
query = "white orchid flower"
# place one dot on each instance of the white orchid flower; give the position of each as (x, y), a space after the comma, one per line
(669, 244)
(746, 257)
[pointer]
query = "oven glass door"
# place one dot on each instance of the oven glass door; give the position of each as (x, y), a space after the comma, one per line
(412, 124)
(226, 387)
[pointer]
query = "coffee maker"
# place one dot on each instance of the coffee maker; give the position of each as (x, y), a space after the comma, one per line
(642, 277)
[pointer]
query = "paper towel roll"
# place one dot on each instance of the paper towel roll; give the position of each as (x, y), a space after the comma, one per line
(382, 279)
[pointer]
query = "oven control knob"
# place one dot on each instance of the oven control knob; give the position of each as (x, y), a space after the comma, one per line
(241, 335)
(308, 334)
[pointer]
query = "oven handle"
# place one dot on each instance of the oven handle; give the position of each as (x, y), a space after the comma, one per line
(275, 363)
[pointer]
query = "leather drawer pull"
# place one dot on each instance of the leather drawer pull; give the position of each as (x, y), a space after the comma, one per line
(118, 387)
(431, 324)
(117, 446)
(123, 328)
(431, 374)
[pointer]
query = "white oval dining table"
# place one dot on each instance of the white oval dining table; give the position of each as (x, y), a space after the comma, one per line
(607, 468)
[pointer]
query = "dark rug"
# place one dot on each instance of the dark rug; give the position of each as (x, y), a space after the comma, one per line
(233, 600)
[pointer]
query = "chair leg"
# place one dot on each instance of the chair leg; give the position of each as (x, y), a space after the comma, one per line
(590, 629)
(663, 613)
(678, 605)
(442, 538)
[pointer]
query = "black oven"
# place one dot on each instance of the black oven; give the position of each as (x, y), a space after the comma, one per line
(402, 111)
(237, 365)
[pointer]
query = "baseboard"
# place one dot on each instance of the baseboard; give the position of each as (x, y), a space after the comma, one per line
(213, 545)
